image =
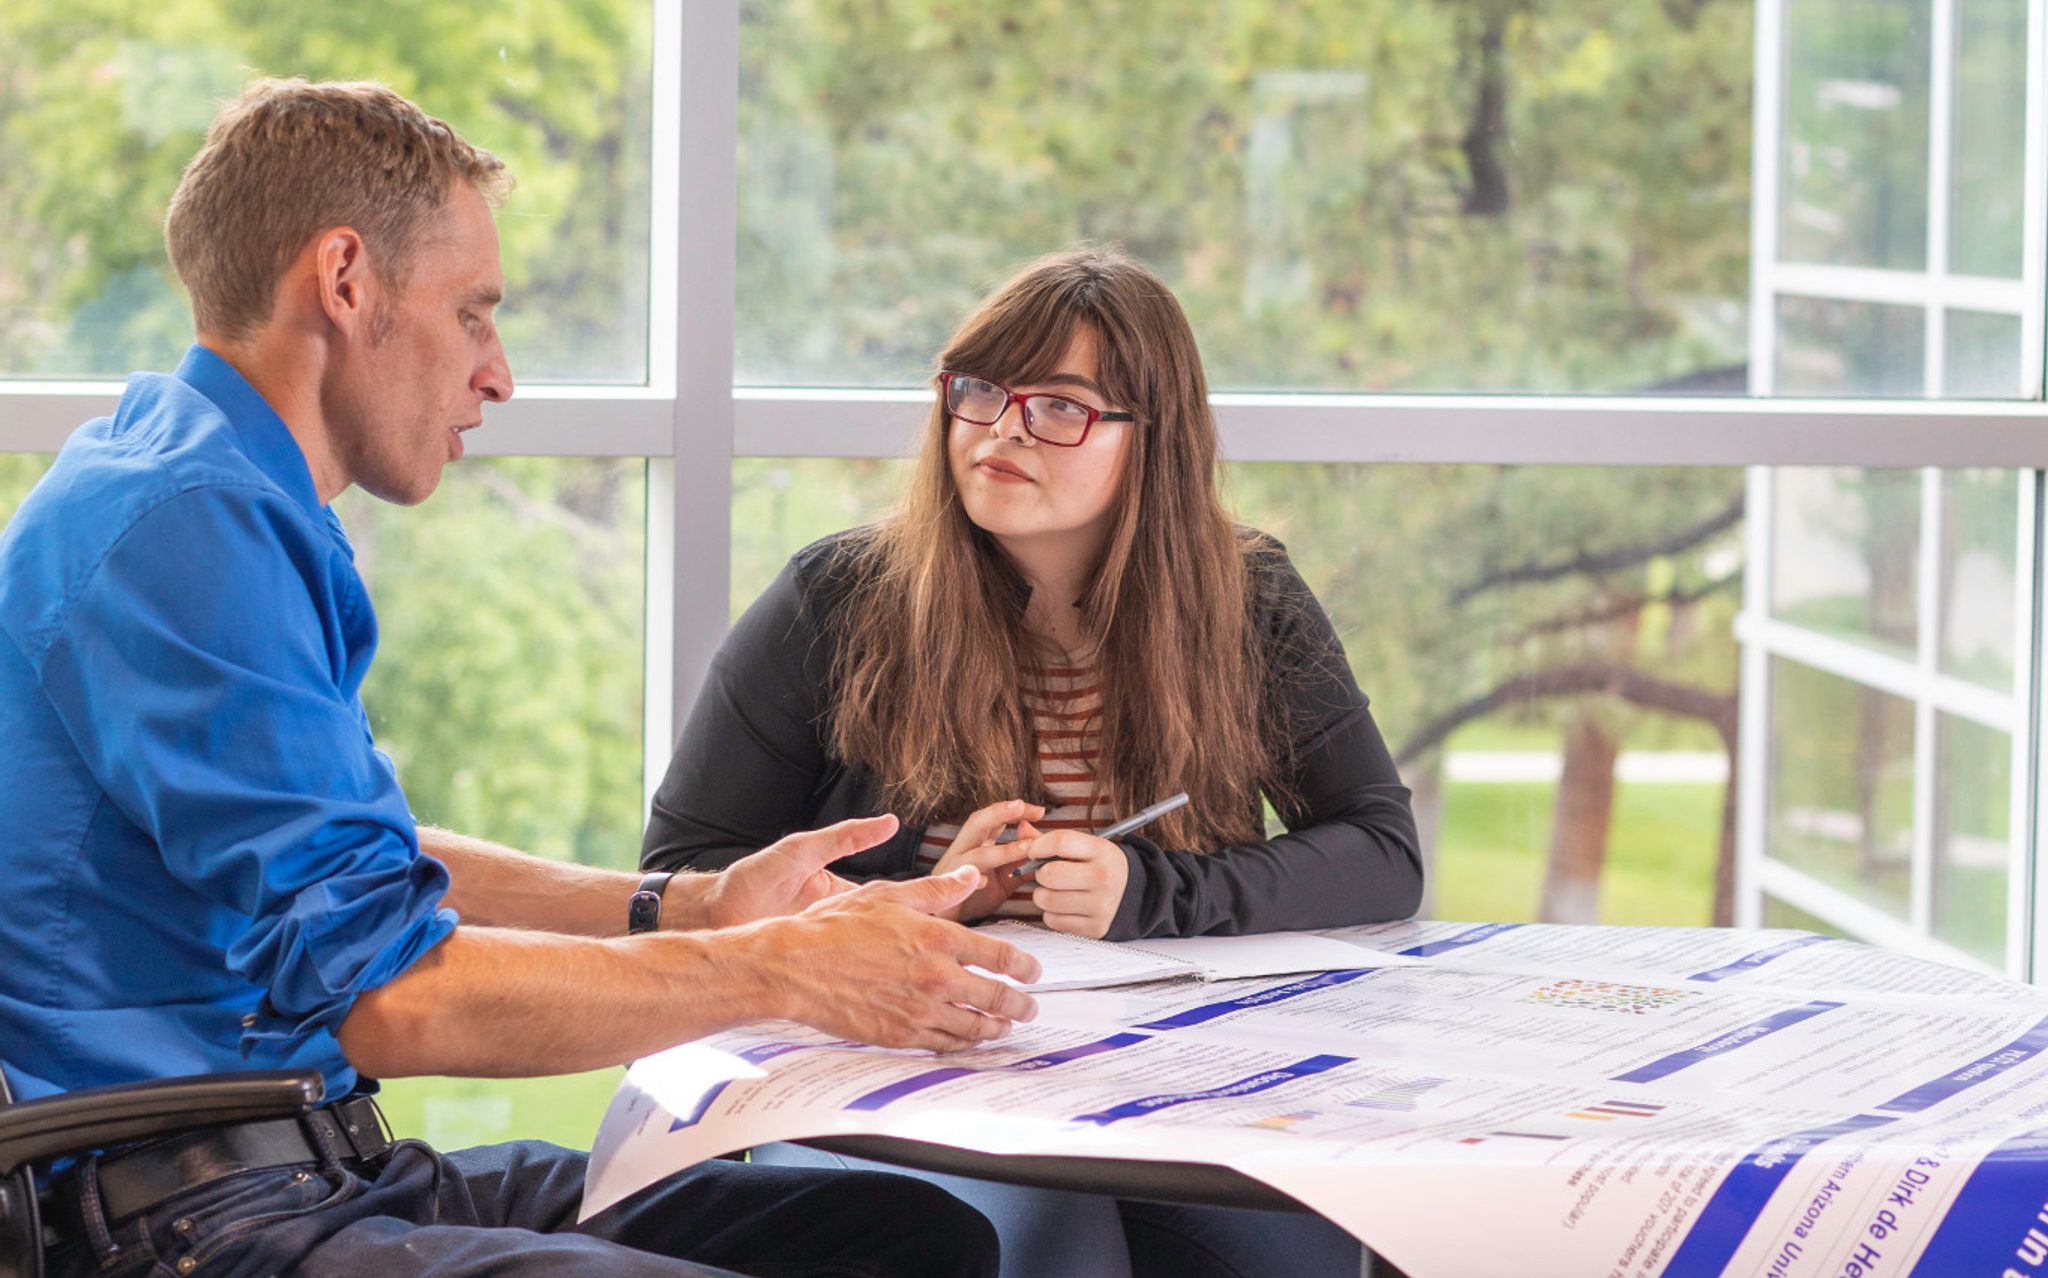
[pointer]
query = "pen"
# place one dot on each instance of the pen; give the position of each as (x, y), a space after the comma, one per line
(1141, 817)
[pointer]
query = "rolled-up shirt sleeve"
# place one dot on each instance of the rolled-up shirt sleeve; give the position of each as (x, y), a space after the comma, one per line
(208, 672)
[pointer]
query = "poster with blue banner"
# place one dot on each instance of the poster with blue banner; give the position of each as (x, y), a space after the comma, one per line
(1471, 1099)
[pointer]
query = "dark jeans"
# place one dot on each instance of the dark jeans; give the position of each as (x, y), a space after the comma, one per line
(1051, 1233)
(511, 1210)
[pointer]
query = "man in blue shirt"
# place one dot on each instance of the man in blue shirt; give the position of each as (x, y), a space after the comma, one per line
(210, 866)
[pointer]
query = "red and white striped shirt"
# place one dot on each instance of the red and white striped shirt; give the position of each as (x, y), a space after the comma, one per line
(1065, 705)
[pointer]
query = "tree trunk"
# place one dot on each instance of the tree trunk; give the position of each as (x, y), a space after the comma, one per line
(1487, 130)
(1585, 814)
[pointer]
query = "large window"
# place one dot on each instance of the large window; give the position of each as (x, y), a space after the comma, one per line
(1346, 196)
(1889, 613)
(1649, 391)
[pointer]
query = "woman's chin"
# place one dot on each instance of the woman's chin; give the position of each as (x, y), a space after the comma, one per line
(998, 518)
(1007, 526)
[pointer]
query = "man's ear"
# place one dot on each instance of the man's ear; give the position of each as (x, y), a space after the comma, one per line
(343, 278)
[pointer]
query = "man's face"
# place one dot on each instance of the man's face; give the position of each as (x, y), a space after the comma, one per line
(431, 360)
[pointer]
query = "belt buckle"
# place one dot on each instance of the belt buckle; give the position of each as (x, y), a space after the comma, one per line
(360, 1124)
(54, 1207)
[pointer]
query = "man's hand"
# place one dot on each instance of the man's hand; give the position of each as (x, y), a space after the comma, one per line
(872, 964)
(976, 845)
(1080, 891)
(868, 963)
(784, 877)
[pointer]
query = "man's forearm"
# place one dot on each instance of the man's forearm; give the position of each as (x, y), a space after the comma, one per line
(501, 1003)
(871, 964)
(495, 886)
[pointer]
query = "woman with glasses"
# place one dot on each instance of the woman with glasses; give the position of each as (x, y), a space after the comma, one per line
(1057, 626)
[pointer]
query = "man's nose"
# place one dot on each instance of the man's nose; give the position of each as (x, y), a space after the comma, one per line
(494, 378)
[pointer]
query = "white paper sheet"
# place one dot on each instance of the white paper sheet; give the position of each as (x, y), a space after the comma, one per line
(1076, 963)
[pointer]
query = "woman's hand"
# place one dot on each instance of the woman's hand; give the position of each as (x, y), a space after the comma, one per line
(976, 845)
(1080, 891)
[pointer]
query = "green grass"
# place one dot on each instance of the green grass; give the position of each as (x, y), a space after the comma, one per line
(1660, 854)
(1645, 732)
(1499, 733)
(1779, 914)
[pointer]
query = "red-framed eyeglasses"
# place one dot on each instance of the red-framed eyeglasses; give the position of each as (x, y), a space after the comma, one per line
(1049, 417)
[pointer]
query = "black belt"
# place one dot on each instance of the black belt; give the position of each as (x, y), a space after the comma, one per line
(132, 1181)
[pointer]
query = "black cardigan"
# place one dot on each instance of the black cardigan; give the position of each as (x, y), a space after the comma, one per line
(754, 764)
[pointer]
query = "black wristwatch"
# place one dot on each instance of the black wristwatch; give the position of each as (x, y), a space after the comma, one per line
(643, 912)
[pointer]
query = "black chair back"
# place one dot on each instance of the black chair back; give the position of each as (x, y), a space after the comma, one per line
(21, 1225)
(96, 1118)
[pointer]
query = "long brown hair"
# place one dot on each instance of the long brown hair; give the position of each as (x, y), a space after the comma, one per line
(926, 685)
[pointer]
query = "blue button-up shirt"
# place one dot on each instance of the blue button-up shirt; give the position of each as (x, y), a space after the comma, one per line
(204, 858)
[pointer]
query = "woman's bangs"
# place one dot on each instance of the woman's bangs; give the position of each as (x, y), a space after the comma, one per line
(1018, 344)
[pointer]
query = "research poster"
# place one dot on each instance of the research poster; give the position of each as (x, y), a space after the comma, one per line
(1476, 1099)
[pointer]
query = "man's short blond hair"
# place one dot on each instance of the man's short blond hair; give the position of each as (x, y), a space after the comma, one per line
(288, 160)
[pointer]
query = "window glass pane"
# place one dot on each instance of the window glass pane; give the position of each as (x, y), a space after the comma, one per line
(1986, 212)
(507, 685)
(1846, 552)
(1828, 347)
(1355, 196)
(104, 108)
(1779, 914)
(19, 473)
(1841, 778)
(782, 504)
(1499, 659)
(458, 1113)
(1982, 359)
(1972, 852)
(1854, 170)
(1561, 723)
(508, 691)
(1979, 589)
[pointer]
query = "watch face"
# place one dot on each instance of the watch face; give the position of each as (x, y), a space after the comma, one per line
(643, 912)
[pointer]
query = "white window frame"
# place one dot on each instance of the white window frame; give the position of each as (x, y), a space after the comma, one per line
(1918, 680)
